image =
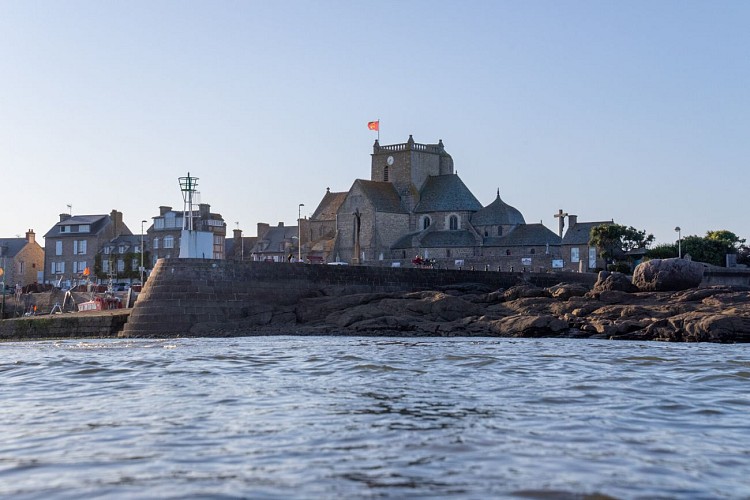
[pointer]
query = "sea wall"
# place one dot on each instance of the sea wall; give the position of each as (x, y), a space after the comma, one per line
(196, 296)
(102, 324)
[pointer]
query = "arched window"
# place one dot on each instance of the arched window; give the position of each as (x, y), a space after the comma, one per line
(426, 222)
(507, 252)
(453, 222)
(499, 230)
(486, 233)
(385, 174)
(533, 251)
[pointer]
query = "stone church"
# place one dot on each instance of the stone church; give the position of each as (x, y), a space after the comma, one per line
(414, 204)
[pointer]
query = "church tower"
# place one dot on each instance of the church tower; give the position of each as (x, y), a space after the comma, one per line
(407, 166)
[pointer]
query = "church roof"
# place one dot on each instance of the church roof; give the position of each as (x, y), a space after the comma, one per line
(580, 232)
(497, 213)
(329, 205)
(446, 193)
(525, 235)
(383, 196)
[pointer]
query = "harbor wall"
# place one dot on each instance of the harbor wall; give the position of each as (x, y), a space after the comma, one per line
(195, 296)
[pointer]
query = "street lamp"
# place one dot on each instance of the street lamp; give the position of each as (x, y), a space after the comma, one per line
(679, 241)
(299, 232)
(142, 249)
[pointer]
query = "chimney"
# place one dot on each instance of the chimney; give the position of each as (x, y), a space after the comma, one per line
(572, 221)
(65, 217)
(281, 224)
(262, 229)
(30, 236)
(237, 234)
(164, 209)
(204, 211)
(116, 218)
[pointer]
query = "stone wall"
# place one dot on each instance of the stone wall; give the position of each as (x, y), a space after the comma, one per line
(192, 296)
(81, 325)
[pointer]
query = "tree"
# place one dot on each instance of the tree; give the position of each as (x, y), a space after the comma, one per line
(710, 251)
(663, 251)
(614, 240)
(728, 238)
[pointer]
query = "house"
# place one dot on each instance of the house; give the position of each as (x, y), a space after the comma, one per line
(21, 259)
(239, 247)
(275, 244)
(165, 233)
(71, 245)
(578, 255)
(120, 259)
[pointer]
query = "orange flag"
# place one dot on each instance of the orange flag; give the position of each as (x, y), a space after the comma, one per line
(374, 125)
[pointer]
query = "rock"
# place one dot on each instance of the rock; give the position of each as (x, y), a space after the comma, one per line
(607, 281)
(667, 275)
(565, 291)
(524, 290)
(522, 325)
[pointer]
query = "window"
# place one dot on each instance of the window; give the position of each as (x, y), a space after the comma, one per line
(79, 247)
(120, 265)
(21, 267)
(426, 222)
(64, 229)
(385, 174)
(159, 223)
(574, 255)
(499, 230)
(84, 228)
(135, 264)
(486, 233)
(58, 268)
(105, 265)
(121, 249)
(533, 251)
(58, 248)
(78, 267)
(107, 250)
(453, 222)
(168, 242)
(156, 243)
(169, 220)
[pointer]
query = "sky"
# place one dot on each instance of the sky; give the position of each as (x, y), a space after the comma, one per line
(633, 111)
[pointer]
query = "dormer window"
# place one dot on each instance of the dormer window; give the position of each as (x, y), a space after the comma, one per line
(64, 229)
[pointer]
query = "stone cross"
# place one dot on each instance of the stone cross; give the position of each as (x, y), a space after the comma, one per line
(561, 223)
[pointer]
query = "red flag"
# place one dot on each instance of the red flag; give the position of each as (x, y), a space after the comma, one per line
(374, 125)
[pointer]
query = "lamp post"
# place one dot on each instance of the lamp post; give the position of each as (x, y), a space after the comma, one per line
(679, 241)
(142, 250)
(299, 232)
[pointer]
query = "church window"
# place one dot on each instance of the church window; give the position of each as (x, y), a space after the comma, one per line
(507, 252)
(426, 222)
(385, 174)
(499, 230)
(533, 251)
(453, 222)
(486, 233)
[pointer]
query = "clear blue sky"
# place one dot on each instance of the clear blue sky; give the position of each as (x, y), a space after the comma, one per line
(633, 111)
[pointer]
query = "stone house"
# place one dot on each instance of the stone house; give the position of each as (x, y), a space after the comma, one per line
(165, 233)
(275, 244)
(577, 254)
(22, 260)
(71, 245)
(120, 258)
(240, 247)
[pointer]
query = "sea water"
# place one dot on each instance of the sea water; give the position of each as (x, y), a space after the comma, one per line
(355, 417)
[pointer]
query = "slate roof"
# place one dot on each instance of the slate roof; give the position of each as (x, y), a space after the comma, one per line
(273, 238)
(329, 205)
(446, 193)
(11, 246)
(525, 235)
(497, 213)
(580, 232)
(383, 196)
(95, 221)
